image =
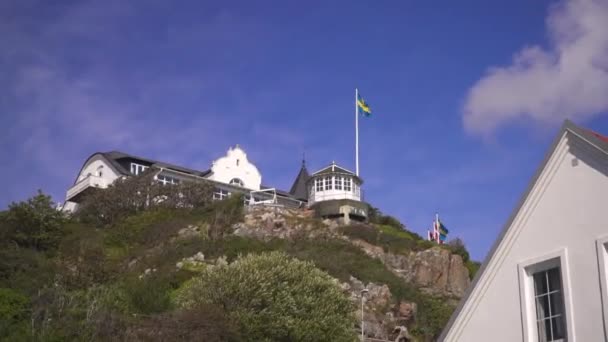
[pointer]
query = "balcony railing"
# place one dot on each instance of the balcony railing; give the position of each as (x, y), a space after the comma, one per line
(89, 181)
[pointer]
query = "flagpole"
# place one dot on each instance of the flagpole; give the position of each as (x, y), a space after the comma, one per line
(356, 132)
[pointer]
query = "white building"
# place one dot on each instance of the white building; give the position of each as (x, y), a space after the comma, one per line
(545, 279)
(232, 173)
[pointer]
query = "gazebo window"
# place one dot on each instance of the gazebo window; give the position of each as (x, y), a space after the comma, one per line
(319, 184)
(347, 184)
(338, 183)
(328, 183)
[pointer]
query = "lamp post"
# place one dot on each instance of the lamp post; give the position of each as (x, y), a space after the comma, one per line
(363, 292)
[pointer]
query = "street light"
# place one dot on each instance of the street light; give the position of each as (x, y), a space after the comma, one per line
(363, 292)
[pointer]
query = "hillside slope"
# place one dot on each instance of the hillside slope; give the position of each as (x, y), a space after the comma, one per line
(78, 279)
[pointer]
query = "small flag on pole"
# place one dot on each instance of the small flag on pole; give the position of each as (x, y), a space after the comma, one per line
(366, 110)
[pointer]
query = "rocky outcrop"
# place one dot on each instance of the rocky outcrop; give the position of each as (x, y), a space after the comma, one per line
(383, 317)
(434, 270)
(266, 223)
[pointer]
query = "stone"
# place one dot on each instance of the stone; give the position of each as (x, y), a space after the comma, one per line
(406, 311)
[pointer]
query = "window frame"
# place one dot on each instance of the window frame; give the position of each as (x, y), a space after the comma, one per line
(601, 245)
(526, 270)
(338, 183)
(319, 184)
(348, 181)
(136, 168)
(237, 182)
(329, 183)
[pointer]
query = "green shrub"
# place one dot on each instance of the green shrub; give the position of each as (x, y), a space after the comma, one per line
(473, 267)
(14, 313)
(34, 223)
(275, 298)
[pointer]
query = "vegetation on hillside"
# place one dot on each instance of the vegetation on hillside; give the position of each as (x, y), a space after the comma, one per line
(109, 272)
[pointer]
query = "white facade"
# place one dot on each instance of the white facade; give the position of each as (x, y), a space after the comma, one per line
(562, 224)
(235, 169)
(334, 187)
(96, 172)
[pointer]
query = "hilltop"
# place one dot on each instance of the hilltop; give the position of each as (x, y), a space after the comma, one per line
(130, 268)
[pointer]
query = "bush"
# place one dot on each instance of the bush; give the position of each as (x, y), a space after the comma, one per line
(275, 298)
(14, 313)
(456, 246)
(35, 223)
(129, 196)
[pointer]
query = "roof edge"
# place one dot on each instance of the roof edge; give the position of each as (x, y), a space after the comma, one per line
(567, 126)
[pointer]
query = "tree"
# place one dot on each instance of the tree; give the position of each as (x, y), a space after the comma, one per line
(129, 196)
(457, 246)
(35, 223)
(274, 298)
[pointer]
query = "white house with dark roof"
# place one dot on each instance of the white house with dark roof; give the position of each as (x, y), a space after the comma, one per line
(545, 278)
(232, 173)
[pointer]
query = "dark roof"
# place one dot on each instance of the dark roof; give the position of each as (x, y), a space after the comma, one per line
(333, 168)
(591, 137)
(298, 189)
(120, 161)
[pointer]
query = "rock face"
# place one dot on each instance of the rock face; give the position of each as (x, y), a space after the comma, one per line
(434, 270)
(265, 223)
(381, 314)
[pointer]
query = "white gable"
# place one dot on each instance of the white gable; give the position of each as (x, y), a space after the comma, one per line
(563, 216)
(235, 166)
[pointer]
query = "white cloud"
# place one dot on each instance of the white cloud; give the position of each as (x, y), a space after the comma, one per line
(567, 80)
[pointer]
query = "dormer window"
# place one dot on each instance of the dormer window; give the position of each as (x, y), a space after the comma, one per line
(136, 169)
(237, 181)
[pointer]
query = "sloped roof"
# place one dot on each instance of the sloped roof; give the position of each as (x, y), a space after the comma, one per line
(334, 168)
(298, 189)
(595, 139)
(116, 156)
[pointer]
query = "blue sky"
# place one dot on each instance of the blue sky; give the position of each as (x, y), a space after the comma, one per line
(466, 95)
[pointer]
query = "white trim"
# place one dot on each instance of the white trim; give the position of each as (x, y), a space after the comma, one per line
(601, 245)
(494, 264)
(526, 292)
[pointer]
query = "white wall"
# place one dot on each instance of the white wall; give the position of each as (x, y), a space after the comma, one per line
(96, 166)
(236, 165)
(565, 212)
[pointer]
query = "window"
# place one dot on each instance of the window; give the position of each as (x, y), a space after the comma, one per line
(237, 162)
(549, 302)
(602, 256)
(328, 183)
(338, 183)
(347, 184)
(237, 182)
(545, 298)
(319, 184)
(100, 171)
(220, 194)
(136, 169)
(167, 179)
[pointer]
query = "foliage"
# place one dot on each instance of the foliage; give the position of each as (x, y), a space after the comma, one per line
(473, 267)
(14, 311)
(275, 298)
(34, 223)
(129, 196)
(456, 246)
(377, 217)
(391, 239)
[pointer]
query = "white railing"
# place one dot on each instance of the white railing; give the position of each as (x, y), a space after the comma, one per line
(85, 183)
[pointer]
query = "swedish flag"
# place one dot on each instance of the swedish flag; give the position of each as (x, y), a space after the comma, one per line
(366, 110)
